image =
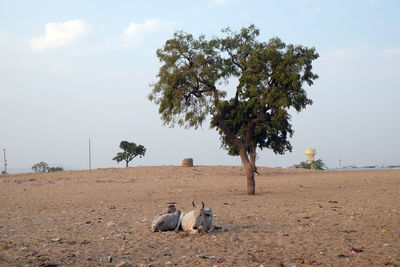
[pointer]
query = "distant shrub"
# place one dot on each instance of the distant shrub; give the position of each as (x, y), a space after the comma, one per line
(56, 169)
(303, 165)
(44, 167)
(315, 165)
(40, 167)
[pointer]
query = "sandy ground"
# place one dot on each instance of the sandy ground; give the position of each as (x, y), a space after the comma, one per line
(297, 218)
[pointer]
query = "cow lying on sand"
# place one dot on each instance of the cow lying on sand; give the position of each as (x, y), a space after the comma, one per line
(196, 220)
(166, 222)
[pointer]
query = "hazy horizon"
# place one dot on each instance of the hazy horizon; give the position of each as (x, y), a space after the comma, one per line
(72, 70)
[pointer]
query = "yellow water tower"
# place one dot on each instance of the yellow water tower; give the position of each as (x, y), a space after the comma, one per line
(310, 153)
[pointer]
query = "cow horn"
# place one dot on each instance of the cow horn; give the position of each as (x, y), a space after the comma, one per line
(193, 204)
(202, 203)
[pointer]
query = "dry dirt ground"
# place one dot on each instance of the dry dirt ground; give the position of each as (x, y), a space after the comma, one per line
(297, 218)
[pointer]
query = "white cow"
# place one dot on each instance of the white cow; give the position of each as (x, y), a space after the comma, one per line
(196, 220)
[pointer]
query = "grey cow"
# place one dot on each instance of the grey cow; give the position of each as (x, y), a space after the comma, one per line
(166, 222)
(196, 220)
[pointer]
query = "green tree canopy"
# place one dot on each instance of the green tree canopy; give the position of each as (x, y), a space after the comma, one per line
(130, 151)
(270, 80)
(55, 169)
(40, 167)
(315, 165)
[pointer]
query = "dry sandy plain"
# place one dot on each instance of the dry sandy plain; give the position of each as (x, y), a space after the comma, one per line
(297, 218)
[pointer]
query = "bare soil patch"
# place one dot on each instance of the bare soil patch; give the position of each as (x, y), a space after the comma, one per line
(102, 217)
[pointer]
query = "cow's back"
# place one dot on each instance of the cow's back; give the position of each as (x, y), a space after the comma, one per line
(166, 222)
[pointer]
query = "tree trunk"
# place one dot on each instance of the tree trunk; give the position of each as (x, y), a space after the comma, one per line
(126, 164)
(251, 183)
(253, 155)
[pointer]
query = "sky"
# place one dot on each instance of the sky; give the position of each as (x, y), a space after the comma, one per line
(71, 71)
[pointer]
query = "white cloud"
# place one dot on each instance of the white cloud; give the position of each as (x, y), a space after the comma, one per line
(60, 34)
(136, 32)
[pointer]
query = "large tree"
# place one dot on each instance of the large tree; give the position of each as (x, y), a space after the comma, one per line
(130, 151)
(270, 80)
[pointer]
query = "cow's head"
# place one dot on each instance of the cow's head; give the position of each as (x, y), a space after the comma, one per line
(171, 209)
(209, 221)
(203, 218)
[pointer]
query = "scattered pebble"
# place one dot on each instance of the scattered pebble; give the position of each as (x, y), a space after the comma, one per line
(237, 239)
(122, 264)
(355, 251)
(202, 257)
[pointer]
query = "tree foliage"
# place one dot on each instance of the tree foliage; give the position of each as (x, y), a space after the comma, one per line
(315, 165)
(55, 169)
(40, 167)
(130, 151)
(44, 167)
(270, 78)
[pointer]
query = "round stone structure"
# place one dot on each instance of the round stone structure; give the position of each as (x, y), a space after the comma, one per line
(188, 162)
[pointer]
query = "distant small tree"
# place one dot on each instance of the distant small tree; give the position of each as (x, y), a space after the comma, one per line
(55, 169)
(40, 167)
(315, 165)
(131, 151)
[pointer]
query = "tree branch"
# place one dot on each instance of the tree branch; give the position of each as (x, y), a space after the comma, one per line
(252, 126)
(228, 133)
